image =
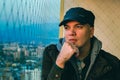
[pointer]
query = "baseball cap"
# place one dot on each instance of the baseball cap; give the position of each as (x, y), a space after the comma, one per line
(79, 14)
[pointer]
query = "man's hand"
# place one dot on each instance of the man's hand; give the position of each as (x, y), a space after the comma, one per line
(67, 51)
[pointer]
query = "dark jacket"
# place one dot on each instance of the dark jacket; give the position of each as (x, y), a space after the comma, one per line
(105, 67)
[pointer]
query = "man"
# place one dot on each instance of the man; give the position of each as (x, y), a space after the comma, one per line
(78, 56)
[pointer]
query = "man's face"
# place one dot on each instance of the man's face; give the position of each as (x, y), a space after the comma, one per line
(78, 34)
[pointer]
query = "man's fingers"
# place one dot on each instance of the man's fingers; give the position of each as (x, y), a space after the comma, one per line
(74, 48)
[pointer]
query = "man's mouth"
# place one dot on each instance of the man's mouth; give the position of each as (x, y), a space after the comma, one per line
(72, 40)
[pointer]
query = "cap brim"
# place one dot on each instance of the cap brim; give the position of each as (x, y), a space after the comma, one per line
(64, 22)
(82, 21)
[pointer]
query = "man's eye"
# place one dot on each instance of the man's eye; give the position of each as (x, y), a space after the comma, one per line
(79, 26)
(66, 27)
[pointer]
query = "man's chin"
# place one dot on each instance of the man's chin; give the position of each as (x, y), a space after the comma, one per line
(78, 46)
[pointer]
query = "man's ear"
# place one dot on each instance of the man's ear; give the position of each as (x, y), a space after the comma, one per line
(91, 32)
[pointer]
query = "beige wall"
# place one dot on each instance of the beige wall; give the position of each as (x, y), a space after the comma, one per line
(107, 24)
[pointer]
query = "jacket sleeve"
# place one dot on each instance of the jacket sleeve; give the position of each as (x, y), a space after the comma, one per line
(50, 71)
(55, 73)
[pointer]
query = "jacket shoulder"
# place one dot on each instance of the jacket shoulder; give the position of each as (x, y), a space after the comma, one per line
(51, 51)
(51, 47)
(113, 60)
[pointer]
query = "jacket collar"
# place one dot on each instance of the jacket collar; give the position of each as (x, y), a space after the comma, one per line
(96, 47)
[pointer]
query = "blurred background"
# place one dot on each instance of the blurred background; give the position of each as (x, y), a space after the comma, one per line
(28, 26)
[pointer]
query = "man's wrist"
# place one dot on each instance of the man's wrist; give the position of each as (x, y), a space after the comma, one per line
(60, 64)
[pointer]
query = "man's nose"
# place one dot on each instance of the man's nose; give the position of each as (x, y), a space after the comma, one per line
(72, 32)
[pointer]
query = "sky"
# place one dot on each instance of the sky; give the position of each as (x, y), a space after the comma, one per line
(29, 20)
